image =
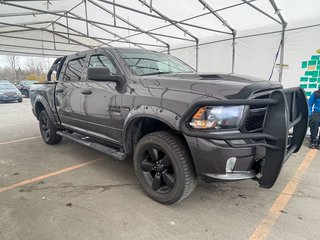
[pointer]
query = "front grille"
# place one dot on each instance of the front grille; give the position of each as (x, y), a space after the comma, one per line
(256, 115)
(255, 122)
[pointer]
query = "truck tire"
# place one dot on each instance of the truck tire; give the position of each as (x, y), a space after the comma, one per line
(163, 166)
(47, 129)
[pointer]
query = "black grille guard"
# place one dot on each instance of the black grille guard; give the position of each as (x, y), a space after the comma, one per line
(286, 109)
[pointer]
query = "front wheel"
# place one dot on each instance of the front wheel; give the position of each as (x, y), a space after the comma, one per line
(47, 129)
(163, 166)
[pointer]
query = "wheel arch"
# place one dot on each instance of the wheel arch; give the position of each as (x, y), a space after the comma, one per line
(147, 119)
(41, 104)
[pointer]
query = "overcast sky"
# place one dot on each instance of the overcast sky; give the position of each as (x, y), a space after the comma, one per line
(22, 60)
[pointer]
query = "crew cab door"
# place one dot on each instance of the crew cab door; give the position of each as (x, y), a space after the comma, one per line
(68, 92)
(101, 100)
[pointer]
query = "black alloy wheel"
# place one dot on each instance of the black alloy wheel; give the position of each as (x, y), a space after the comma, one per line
(157, 169)
(164, 167)
(47, 129)
(44, 127)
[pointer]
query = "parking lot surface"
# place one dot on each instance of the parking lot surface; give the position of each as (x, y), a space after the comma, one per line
(68, 191)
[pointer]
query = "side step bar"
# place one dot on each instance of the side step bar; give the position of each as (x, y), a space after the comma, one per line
(87, 142)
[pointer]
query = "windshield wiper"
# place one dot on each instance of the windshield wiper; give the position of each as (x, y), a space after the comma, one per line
(155, 73)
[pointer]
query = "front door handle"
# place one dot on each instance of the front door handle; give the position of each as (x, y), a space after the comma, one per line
(86, 92)
(59, 90)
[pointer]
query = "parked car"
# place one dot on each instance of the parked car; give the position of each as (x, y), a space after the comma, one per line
(9, 92)
(179, 125)
(24, 87)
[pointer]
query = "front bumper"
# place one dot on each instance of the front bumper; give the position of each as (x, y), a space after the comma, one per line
(211, 159)
(261, 152)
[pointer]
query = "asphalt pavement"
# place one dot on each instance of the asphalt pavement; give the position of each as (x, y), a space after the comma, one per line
(68, 191)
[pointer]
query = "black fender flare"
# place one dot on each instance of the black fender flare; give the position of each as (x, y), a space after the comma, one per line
(145, 111)
(45, 104)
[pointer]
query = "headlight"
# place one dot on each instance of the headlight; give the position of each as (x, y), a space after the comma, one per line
(217, 117)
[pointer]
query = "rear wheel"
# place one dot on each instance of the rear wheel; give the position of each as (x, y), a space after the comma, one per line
(163, 166)
(47, 129)
(20, 100)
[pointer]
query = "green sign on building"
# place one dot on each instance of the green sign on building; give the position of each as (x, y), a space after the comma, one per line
(310, 82)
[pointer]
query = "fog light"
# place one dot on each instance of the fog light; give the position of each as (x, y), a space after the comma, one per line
(230, 164)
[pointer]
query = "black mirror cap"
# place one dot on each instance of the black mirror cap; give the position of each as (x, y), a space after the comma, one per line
(103, 75)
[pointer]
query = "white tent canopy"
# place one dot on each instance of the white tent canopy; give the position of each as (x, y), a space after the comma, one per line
(49, 24)
(55, 27)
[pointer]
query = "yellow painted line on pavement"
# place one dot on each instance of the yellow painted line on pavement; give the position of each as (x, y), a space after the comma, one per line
(263, 229)
(55, 173)
(18, 140)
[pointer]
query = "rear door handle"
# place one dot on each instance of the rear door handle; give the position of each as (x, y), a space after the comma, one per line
(86, 92)
(59, 90)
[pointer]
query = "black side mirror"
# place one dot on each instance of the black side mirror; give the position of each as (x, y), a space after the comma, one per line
(103, 75)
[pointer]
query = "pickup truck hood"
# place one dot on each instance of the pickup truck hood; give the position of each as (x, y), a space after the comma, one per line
(219, 86)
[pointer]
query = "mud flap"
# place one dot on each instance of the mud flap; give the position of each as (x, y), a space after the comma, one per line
(290, 112)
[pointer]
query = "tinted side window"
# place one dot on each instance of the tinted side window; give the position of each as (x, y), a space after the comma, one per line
(103, 61)
(74, 69)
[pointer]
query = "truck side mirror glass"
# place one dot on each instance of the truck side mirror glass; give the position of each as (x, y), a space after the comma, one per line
(103, 75)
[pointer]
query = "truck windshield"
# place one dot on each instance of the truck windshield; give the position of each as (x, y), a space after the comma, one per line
(143, 63)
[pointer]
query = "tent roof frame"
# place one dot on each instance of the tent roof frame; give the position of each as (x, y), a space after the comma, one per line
(70, 33)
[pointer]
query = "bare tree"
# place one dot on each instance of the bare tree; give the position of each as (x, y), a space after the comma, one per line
(37, 68)
(38, 65)
(14, 62)
(34, 68)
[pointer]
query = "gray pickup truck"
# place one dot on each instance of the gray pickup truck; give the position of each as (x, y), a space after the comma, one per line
(179, 125)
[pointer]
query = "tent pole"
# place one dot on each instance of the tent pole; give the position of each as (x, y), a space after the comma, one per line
(164, 17)
(82, 34)
(282, 52)
(222, 20)
(261, 11)
(106, 30)
(284, 27)
(197, 56)
(59, 34)
(61, 15)
(116, 16)
(190, 18)
(86, 14)
(5, 52)
(37, 48)
(67, 22)
(233, 51)
(38, 40)
(90, 21)
(54, 38)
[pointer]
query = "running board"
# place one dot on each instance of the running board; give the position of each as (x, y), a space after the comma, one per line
(87, 142)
